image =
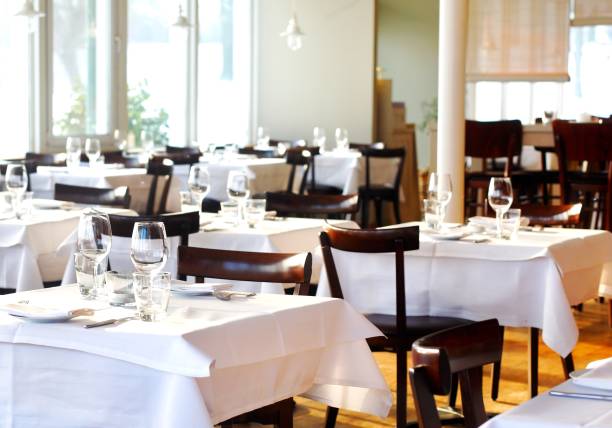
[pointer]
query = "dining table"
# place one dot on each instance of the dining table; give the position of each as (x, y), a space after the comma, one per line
(574, 403)
(531, 281)
(202, 364)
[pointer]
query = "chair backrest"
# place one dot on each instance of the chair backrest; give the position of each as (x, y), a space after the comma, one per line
(269, 152)
(458, 351)
(298, 156)
(183, 150)
(210, 205)
(395, 240)
(115, 156)
(246, 266)
(286, 204)
(119, 197)
(46, 159)
(552, 215)
(400, 154)
(161, 171)
(489, 140)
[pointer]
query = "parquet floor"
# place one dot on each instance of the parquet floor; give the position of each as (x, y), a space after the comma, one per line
(595, 343)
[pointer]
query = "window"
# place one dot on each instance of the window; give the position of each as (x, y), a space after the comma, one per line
(14, 77)
(81, 67)
(224, 71)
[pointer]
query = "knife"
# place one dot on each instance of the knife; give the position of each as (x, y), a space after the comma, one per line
(109, 321)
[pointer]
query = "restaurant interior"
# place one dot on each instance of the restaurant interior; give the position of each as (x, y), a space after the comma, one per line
(334, 213)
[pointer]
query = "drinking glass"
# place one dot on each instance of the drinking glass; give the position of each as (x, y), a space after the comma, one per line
(199, 183)
(120, 140)
(263, 137)
(500, 199)
(229, 212)
(512, 222)
(318, 138)
(149, 250)
(255, 211)
(238, 189)
(432, 211)
(73, 152)
(92, 150)
(440, 188)
(16, 182)
(152, 294)
(342, 139)
(119, 288)
(94, 238)
(89, 276)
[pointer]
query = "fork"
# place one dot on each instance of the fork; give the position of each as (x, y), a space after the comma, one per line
(227, 295)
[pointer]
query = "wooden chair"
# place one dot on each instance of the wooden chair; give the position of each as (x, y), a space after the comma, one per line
(459, 351)
(314, 188)
(259, 152)
(176, 224)
(258, 267)
(210, 205)
(585, 168)
(400, 330)
(46, 159)
(160, 170)
(552, 215)
(326, 206)
(119, 197)
(298, 157)
(379, 193)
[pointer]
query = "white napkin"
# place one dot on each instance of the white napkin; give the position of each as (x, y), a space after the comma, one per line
(491, 223)
(600, 376)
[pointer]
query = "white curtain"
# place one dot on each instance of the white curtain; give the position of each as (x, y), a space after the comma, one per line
(518, 40)
(592, 12)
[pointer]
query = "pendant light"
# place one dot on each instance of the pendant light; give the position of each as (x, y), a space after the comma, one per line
(28, 11)
(293, 32)
(181, 19)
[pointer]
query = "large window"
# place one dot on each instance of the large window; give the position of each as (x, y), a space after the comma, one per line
(224, 71)
(82, 67)
(14, 76)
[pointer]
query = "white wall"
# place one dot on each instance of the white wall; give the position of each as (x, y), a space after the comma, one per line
(408, 53)
(329, 82)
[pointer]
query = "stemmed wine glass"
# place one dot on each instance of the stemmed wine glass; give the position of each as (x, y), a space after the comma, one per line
(73, 152)
(92, 150)
(238, 189)
(440, 188)
(500, 199)
(16, 181)
(318, 138)
(263, 137)
(342, 139)
(199, 183)
(149, 249)
(94, 239)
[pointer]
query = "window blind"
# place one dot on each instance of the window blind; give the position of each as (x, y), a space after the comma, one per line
(518, 40)
(592, 12)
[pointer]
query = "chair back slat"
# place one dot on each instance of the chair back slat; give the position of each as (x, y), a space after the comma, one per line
(286, 204)
(246, 266)
(176, 224)
(119, 197)
(160, 170)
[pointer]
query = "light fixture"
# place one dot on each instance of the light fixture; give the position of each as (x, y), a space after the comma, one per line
(28, 11)
(181, 19)
(293, 32)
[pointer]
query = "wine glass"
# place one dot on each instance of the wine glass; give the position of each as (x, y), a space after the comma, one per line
(94, 239)
(238, 189)
(147, 141)
(16, 181)
(149, 250)
(120, 140)
(73, 152)
(199, 183)
(318, 137)
(92, 150)
(263, 137)
(440, 188)
(500, 199)
(342, 139)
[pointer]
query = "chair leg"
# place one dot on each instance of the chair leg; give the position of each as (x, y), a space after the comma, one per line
(331, 414)
(365, 206)
(610, 313)
(378, 206)
(396, 210)
(532, 350)
(568, 365)
(285, 414)
(496, 374)
(452, 397)
(402, 386)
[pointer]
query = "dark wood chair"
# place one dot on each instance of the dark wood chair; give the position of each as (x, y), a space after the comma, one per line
(258, 267)
(312, 186)
(552, 215)
(119, 197)
(298, 157)
(46, 159)
(439, 357)
(210, 205)
(585, 168)
(176, 224)
(259, 152)
(325, 206)
(379, 193)
(160, 170)
(400, 330)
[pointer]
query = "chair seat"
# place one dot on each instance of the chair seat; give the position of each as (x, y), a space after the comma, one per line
(417, 326)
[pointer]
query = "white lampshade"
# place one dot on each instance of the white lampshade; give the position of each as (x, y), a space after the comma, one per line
(28, 11)
(294, 34)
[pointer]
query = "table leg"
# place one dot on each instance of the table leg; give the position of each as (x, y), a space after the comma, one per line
(568, 365)
(532, 350)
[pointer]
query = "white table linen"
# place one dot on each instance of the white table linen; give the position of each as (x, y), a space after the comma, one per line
(291, 235)
(201, 365)
(29, 247)
(136, 179)
(529, 282)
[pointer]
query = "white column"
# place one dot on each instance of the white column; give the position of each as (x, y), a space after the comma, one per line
(451, 99)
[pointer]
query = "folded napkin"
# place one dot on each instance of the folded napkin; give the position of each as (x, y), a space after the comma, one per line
(491, 223)
(205, 288)
(600, 376)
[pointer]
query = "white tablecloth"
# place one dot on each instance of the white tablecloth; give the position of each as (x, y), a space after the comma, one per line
(201, 365)
(28, 247)
(530, 282)
(347, 170)
(137, 180)
(291, 235)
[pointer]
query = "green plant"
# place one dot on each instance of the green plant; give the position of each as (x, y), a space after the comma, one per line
(75, 119)
(155, 123)
(430, 113)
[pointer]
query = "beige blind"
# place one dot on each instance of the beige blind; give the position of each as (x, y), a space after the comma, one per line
(592, 12)
(514, 40)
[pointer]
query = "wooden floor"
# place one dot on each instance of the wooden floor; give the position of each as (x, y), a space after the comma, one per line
(595, 343)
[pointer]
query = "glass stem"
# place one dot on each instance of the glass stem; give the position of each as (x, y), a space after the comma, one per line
(498, 216)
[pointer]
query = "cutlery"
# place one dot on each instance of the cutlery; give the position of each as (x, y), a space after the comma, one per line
(588, 396)
(109, 321)
(227, 295)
